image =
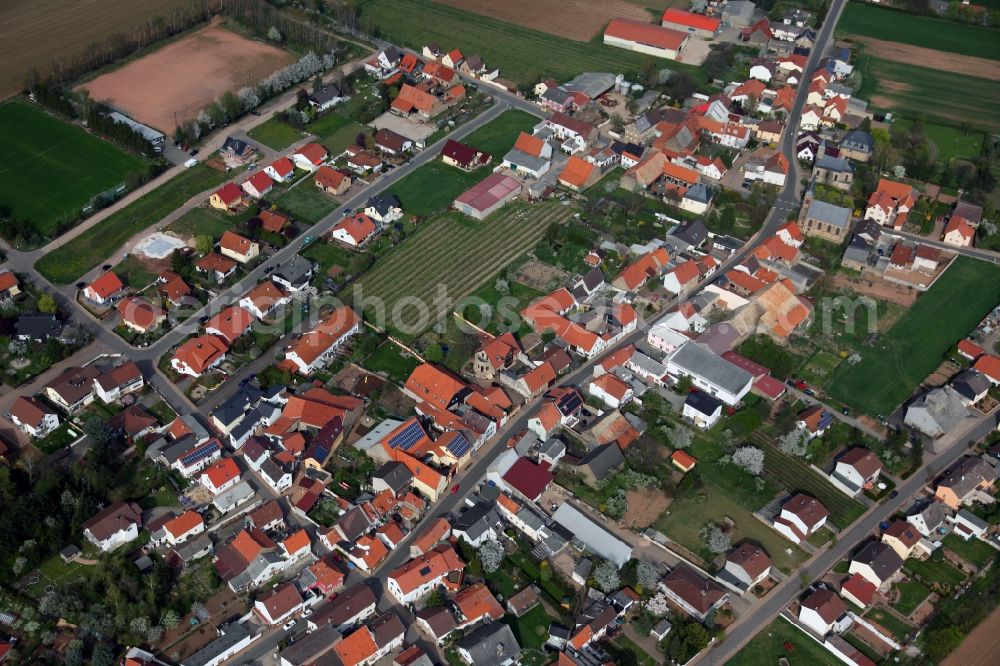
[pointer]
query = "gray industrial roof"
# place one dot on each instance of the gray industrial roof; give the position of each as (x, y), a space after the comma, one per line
(697, 359)
(593, 535)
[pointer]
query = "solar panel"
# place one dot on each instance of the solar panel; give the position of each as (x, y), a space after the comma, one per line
(459, 446)
(409, 436)
(570, 402)
(204, 451)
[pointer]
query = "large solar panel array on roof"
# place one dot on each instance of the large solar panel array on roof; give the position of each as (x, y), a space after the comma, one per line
(570, 402)
(203, 451)
(407, 437)
(459, 446)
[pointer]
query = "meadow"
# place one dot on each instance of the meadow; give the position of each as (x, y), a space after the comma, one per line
(522, 54)
(52, 168)
(924, 31)
(497, 137)
(73, 259)
(457, 253)
(892, 369)
(906, 88)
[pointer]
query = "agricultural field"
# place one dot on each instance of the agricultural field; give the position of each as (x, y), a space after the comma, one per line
(455, 253)
(52, 169)
(904, 88)
(575, 19)
(35, 32)
(905, 354)
(768, 647)
(70, 261)
(156, 89)
(433, 186)
(497, 137)
(923, 31)
(522, 54)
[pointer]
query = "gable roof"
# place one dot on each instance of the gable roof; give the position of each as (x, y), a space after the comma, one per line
(283, 167)
(235, 243)
(200, 352)
(313, 152)
(751, 558)
(358, 226)
(436, 563)
(106, 285)
(140, 311)
(231, 323)
(861, 459)
(434, 384)
(827, 605)
(645, 33)
(329, 178)
(528, 478)
(690, 19)
(699, 593)
(577, 172)
(229, 194)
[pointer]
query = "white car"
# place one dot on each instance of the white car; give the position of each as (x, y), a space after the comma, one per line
(288, 625)
(307, 612)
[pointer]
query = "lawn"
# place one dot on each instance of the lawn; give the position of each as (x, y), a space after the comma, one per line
(523, 55)
(951, 142)
(935, 572)
(54, 571)
(519, 297)
(388, 358)
(204, 220)
(306, 203)
(911, 594)
(924, 31)
(59, 438)
(432, 187)
(973, 551)
(890, 622)
(626, 652)
(275, 134)
(958, 98)
(795, 474)
(71, 260)
(687, 515)
(497, 137)
(532, 628)
(450, 258)
(768, 647)
(51, 169)
(162, 411)
(134, 273)
(327, 255)
(889, 372)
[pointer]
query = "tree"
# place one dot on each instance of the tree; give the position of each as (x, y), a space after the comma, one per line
(248, 98)
(274, 34)
(203, 243)
(647, 575)
(102, 655)
(681, 437)
(794, 442)
(98, 430)
(491, 555)
(47, 304)
(683, 385)
(606, 576)
(170, 619)
(749, 458)
(434, 353)
(715, 539)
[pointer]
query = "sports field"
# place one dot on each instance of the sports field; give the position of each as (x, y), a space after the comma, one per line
(923, 31)
(71, 260)
(904, 355)
(456, 253)
(51, 169)
(522, 54)
(906, 88)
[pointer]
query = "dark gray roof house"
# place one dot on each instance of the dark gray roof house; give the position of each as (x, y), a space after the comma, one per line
(492, 644)
(38, 327)
(971, 385)
(476, 521)
(693, 233)
(857, 140)
(880, 558)
(394, 475)
(294, 274)
(383, 203)
(601, 461)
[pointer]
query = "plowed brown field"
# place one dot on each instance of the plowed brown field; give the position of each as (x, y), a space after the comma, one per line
(934, 59)
(575, 19)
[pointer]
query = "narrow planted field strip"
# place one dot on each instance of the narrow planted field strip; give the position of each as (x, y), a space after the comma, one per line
(982, 68)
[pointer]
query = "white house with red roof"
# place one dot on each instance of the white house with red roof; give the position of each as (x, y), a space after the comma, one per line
(310, 156)
(238, 247)
(610, 390)
(220, 476)
(890, 203)
(800, 516)
(355, 230)
(198, 355)
(104, 289)
(258, 185)
(280, 170)
(958, 233)
(183, 527)
(276, 606)
(32, 416)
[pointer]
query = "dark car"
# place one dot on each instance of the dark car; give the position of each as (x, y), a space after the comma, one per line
(894, 494)
(106, 267)
(202, 320)
(255, 113)
(193, 152)
(845, 411)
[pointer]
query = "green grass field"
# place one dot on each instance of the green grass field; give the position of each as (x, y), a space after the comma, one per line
(432, 187)
(688, 515)
(957, 98)
(523, 55)
(768, 647)
(275, 134)
(795, 474)
(454, 253)
(203, 220)
(905, 354)
(51, 169)
(950, 142)
(71, 260)
(497, 137)
(973, 551)
(388, 358)
(935, 572)
(306, 203)
(890, 622)
(924, 31)
(911, 594)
